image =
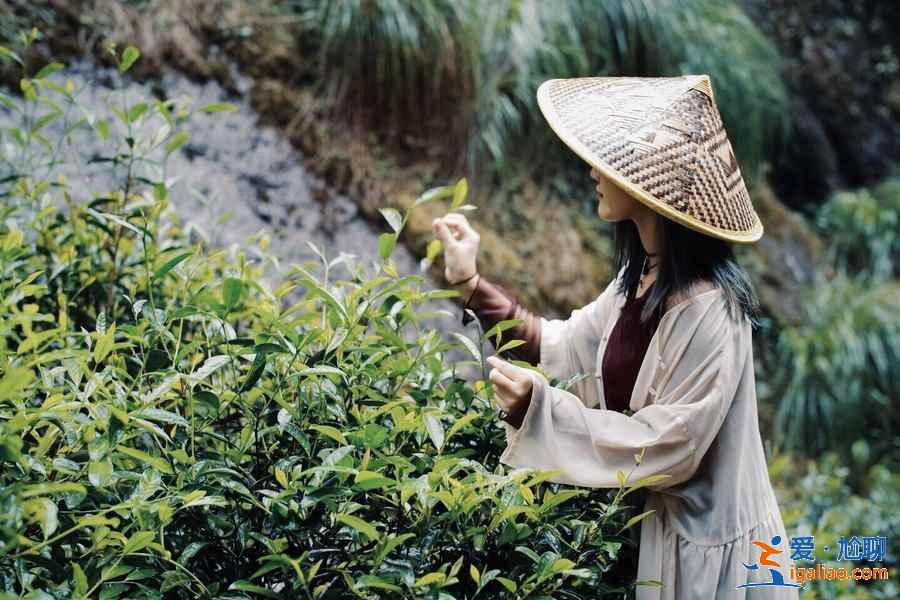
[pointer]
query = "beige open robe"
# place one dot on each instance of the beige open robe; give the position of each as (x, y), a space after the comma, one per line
(695, 416)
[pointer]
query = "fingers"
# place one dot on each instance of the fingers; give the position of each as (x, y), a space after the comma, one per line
(452, 217)
(503, 391)
(508, 369)
(443, 232)
(458, 224)
(502, 381)
(515, 384)
(461, 222)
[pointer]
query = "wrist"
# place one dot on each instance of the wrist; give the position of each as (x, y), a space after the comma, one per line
(466, 287)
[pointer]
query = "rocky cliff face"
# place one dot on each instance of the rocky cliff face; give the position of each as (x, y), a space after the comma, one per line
(546, 247)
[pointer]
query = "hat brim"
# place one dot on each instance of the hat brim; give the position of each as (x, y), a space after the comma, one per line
(633, 190)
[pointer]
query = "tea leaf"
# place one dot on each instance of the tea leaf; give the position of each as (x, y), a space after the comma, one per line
(459, 193)
(218, 107)
(331, 432)
(433, 194)
(635, 519)
(358, 524)
(231, 292)
(160, 464)
(459, 424)
(469, 345)
(178, 140)
(281, 477)
(246, 586)
(99, 473)
(393, 217)
(130, 55)
(386, 244)
(162, 416)
(138, 542)
(7, 53)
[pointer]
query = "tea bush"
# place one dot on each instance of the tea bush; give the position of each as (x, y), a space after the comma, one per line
(171, 426)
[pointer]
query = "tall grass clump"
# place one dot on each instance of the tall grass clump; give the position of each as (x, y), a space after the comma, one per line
(669, 38)
(467, 71)
(170, 426)
(837, 376)
(834, 376)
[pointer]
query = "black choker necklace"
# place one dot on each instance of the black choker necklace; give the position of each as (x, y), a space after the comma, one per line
(645, 268)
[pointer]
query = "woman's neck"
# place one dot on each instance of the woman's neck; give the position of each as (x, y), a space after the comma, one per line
(647, 223)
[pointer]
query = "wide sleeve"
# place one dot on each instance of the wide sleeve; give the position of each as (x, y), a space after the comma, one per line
(569, 346)
(674, 427)
(492, 303)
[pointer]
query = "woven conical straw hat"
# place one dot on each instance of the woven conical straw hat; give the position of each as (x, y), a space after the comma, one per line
(662, 140)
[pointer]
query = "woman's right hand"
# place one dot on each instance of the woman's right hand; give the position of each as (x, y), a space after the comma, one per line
(460, 242)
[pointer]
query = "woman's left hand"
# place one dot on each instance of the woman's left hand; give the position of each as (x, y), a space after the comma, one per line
(512, 384)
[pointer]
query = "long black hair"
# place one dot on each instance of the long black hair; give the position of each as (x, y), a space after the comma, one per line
(687, 256)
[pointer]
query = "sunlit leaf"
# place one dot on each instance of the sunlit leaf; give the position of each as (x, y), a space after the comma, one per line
(130, 55)
(393, 217)
(459, 193)
(358, 524)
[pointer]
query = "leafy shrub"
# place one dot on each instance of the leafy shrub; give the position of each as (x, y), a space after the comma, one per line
(862, 226)
(843, 360)
(834, 377)
(818, 498)
(171, 426)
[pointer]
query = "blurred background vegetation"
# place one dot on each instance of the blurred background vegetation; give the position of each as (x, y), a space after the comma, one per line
(384, 98)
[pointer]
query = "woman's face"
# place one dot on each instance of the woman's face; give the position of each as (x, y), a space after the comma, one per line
(614, 204)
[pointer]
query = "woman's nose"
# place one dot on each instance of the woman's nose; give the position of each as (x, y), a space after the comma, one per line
(595, 175)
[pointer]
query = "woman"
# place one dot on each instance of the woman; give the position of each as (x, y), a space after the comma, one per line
(662, 360)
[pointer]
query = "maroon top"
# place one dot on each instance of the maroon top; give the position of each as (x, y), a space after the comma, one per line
(622, 359)
(625, 351)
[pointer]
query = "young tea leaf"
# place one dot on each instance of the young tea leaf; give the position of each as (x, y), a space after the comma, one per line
(459, 193)
(393, 217)
(216, 107)
(386, 244)
(130, 55)
(138, 542)
(49, 70)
